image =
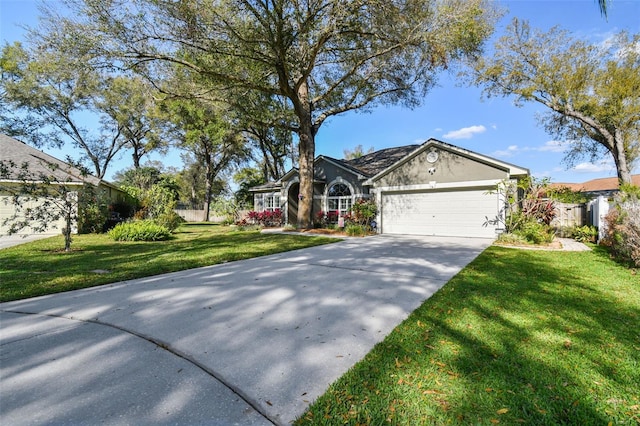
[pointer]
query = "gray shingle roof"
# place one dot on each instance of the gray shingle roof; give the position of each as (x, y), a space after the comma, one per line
(39, 163)
(374, 163)
(368, 165)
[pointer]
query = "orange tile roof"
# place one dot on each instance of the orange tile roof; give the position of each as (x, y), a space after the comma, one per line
(601, 184)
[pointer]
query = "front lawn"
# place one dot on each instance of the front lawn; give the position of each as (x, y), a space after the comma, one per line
(39, 268)
(518, 337)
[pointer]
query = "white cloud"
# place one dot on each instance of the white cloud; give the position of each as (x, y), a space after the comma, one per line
(603, 166)
(465, 132)
(553, 146)
(509, 152)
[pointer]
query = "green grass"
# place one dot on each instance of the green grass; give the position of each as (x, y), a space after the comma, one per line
(40, 267)
(518, 337)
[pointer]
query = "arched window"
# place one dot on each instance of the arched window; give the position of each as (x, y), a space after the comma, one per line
(339, 190)
(339, 200)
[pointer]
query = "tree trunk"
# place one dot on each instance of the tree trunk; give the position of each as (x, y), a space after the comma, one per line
(67, 227)
(207, 191)
(620, 158)
(136, 158)
(306, 149)
(624, 175)
(305, 198)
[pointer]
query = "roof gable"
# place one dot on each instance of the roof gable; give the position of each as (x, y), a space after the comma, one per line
(513, 170)
(341, 164)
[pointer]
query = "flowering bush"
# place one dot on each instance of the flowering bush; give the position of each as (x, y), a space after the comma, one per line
(266, 218)
(527, 212)
(323, 219)
(622, 233)
(362, 212)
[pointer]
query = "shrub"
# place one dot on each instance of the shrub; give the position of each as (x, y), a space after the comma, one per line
(319, 220)
(228, 208)
(142, 230)
(152, 202)
(535, 232)
(525, 202)
(93, 211)
(266, 218)
(584, 234)
(566, 195)
(622, 232)
(355, 230)
(324, 219)
(509, 239)
(170, 220)
(363, 212)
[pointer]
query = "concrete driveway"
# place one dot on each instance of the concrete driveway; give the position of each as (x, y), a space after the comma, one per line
(17, 239)
(248, 342)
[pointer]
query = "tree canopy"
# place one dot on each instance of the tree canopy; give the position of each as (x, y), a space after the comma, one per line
(592, 91)
(319, 57)
(52, 97)
(357, 152)
(205, 132)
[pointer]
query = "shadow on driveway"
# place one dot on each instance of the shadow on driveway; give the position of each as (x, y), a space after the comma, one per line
(275, 330)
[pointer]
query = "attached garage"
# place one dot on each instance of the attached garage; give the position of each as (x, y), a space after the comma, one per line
(460, 213)
(442, 190)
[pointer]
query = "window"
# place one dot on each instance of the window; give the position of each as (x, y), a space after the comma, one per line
(267, 202)
(339, 200)
(271, 202)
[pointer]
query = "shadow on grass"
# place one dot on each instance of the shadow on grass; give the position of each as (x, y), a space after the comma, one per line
(518, 337)
(36, 269)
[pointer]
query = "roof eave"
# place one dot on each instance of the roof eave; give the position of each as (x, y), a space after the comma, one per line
(513, 170)
(358, 173)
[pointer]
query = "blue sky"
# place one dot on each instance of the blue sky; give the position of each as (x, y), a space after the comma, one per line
(451, 112)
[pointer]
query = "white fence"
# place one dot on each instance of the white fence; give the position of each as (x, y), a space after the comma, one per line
(599, 209)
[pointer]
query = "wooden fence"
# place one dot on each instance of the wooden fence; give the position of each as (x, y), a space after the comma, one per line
(568, 215)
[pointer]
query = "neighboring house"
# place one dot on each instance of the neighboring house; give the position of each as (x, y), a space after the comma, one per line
(38, 163)
(607, 187)
(429, 189)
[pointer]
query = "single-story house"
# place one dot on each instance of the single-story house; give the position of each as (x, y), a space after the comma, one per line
(606, 187)
(430, 189)
(40, 164)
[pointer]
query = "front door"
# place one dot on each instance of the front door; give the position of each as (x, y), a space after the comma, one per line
(292, 204)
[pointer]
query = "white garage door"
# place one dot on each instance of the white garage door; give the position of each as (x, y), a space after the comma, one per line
(454, 213)
(7, 210)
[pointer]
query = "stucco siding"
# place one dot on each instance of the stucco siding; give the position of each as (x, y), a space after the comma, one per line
(329, 172)
(450, 167)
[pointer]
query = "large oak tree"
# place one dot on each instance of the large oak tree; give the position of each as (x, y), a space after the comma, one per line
(321, 57)
(592, 90)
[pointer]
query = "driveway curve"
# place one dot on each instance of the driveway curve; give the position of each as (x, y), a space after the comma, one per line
(254, 341)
